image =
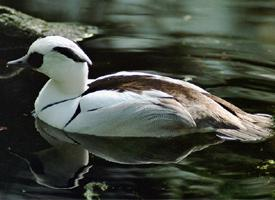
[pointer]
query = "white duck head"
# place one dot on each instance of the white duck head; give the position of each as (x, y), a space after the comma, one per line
(59, 58)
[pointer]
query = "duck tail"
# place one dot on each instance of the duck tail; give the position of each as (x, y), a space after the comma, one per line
(256, 128)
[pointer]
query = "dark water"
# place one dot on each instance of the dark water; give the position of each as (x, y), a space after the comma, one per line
(226, 47)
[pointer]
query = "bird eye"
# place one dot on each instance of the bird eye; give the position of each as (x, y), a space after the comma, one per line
(35, 59)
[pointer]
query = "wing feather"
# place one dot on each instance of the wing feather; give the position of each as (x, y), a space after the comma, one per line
(130, 114)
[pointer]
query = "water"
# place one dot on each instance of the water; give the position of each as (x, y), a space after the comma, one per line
(226, 47)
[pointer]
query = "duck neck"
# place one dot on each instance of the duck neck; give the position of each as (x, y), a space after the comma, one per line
(73, 84)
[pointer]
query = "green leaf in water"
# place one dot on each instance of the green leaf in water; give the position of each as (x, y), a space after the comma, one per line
(91, 188)
(267, 165)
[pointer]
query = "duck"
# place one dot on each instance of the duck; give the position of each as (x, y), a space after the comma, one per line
(129, 103)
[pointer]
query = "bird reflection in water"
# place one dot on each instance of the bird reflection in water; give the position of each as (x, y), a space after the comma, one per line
(67, 161)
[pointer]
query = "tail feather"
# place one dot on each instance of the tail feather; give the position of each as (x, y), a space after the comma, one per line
(257, 127)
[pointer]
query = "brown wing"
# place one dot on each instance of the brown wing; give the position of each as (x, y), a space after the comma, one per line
(207, 110)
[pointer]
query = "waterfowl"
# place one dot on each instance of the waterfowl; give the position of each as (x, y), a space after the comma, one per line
(129, 103)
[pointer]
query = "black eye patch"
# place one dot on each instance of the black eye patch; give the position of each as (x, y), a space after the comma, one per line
(35, 59)
(69, 53)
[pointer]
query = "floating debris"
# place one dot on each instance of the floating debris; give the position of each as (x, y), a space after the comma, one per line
(92, 188)
(267, 167)
(3, 128)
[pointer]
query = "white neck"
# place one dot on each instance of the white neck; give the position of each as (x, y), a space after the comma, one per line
(73, 85)
(68, 78)
(57, 101)
(63, 85)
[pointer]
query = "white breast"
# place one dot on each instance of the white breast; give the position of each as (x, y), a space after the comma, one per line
(54, 107)
(59, 114)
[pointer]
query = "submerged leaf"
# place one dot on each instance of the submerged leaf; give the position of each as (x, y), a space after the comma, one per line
(267, 166)
(91, 189)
